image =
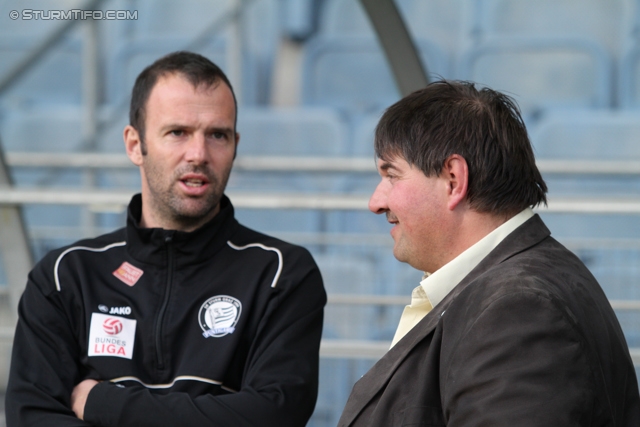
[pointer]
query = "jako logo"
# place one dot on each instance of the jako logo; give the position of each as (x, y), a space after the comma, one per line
(120, 310)
(112, 326)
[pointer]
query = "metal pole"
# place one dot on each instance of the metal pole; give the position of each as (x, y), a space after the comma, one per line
(398, 46)
(90, 101)
(90, 84)
(235, 51)
(14, 244)
(39, 51)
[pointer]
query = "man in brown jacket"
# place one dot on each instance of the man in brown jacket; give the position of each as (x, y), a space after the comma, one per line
(508, 327)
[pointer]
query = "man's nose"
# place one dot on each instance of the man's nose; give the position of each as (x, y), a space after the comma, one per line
(196, 151)
(378, 200)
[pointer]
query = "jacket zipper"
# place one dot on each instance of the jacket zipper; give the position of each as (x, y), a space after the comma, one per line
(165, 302)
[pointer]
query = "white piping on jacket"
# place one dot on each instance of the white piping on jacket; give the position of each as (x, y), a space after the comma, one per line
(266, 248)
(80, 248)
(172, 383)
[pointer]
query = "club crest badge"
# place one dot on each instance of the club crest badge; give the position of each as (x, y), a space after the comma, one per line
(219, 315)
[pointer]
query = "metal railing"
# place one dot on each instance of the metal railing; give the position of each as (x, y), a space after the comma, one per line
(117, 199)
(109, 200)
(302, 164)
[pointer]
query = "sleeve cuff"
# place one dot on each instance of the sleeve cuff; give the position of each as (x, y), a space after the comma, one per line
(104, 404)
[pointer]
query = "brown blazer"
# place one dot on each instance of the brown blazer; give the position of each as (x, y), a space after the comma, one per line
(528, 338)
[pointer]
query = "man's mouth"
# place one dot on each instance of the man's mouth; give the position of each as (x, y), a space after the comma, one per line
(391, 218)
(192, 182)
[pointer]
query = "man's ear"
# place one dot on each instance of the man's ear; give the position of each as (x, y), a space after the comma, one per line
(133, 145)
(456, 172)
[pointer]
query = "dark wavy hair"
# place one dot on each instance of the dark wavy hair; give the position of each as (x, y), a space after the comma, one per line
(483, 126)
(197, 69)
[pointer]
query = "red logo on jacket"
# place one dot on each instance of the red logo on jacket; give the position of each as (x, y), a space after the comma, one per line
(112, 326)
(128, 273)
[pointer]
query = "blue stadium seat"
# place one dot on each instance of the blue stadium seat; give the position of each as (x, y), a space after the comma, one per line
(55, 80)
(543, 73)
(38, 26)
(309, 132)
(439, 21)
(608, 22)
(43, 129)
(352, 73)
(260, 39)
(59, 130)
(165, 26)
(251, 81)
(588, 135)
(135, 56)
(186, 19)
(291, 132)
(597, 136)
(298, 18)
(629, 80)
(337, 377)
(364, 130)
(347, 275)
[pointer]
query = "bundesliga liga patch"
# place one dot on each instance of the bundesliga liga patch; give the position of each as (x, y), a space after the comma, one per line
(111, 336)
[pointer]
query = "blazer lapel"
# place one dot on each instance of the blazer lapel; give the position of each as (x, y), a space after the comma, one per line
(375, 379)
(528, 234)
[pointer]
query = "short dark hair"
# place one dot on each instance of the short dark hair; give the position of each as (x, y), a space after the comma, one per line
(194, 67)
(483, 126)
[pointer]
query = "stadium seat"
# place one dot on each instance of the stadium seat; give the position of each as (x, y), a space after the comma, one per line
(291, 132)
(607, 22)
(439, 21)
(56, 79)
(52, 129)
(351, 73)
(166, 18)
(588, 135)
(542, 73)
(629, 80)
(311, 132)
(135, 56)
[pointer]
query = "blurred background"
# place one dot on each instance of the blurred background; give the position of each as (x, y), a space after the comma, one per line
(312, 81)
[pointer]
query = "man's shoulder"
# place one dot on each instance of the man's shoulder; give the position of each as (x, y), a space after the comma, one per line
(295, 269)
(247, 237)
(547, 270)
(548, 261)
(295, 264)
(94, 244)
(46, 272)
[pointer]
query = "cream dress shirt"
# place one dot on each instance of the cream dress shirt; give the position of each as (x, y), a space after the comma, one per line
(434, 287)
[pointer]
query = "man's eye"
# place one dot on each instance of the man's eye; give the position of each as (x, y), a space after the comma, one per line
(219, 135)
(177, 132)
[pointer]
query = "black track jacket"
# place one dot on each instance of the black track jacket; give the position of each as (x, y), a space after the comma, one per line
(217, 327)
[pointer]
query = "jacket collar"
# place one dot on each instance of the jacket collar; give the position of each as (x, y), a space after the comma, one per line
(527, 235)
(149, 245)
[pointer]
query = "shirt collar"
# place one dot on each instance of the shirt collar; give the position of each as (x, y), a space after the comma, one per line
(438, 284)
(149, 245)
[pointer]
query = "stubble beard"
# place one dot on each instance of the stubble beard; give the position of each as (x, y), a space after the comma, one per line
(185, 212)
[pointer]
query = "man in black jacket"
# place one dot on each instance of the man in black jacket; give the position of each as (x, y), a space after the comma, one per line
(183, 317)
(508, 328)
